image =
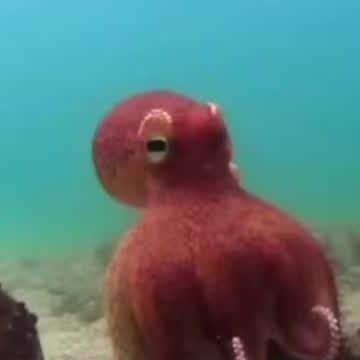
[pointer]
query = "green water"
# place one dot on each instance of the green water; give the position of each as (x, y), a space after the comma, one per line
(286, 73)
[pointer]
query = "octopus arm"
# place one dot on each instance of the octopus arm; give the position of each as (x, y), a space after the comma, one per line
(125, 335)
(307, 311)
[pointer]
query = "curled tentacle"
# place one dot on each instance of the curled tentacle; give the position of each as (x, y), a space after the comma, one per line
(334, 329)
(238, 349)
(316, 336)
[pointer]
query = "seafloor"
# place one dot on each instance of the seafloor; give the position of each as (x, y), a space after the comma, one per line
(66, 296)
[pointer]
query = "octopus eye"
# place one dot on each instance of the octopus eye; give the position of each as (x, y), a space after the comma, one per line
(157, 149)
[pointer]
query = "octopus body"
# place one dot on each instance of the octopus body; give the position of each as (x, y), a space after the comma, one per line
(19, 338)
(210, 271)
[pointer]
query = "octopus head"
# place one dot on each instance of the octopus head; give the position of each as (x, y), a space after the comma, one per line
(156, 131)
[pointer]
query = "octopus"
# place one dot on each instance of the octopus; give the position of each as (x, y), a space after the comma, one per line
(19, 338)
(210, 270)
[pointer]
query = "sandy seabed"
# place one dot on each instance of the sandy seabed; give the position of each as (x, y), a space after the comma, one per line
(66, 296)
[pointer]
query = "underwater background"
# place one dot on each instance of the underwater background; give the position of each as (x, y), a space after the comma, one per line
(287, 77)
(286, 73)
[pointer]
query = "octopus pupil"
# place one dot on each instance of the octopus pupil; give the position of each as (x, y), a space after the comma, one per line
(156, 145)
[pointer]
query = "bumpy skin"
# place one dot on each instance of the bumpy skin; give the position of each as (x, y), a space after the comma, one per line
(19, 338)
(116, 149)
(212, 271)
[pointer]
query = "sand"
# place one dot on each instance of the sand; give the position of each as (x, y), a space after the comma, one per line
(66, 336)
(66, 296)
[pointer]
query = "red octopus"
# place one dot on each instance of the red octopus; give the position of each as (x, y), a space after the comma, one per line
(19, 338)
(210, 270)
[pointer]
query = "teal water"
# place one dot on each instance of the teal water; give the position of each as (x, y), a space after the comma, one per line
(286, 73)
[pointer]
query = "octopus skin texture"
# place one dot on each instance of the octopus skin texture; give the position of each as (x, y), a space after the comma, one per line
(19, 339)
(211, 270)
(124, 178)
